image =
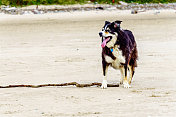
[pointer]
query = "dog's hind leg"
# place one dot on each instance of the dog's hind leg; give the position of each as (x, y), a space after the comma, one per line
(131, 69)
(125, 80)
(132, 65)
(105, 69)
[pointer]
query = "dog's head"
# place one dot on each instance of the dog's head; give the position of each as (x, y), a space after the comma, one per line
(109, 33)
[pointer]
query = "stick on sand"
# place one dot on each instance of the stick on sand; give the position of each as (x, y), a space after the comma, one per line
(63, 84)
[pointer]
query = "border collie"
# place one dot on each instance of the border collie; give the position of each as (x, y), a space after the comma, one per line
(119, 50)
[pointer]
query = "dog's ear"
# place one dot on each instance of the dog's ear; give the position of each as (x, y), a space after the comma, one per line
(118, 21)
(117, 24)
(107, 22)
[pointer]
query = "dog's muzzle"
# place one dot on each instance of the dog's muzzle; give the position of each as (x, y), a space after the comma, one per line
(105, 42)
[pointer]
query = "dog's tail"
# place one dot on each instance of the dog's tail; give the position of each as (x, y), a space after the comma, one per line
(134, 57)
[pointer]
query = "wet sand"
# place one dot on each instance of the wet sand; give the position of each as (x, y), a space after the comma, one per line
(65, 47)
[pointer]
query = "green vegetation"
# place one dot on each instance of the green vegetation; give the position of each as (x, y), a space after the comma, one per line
(64, 2)
(150, 1)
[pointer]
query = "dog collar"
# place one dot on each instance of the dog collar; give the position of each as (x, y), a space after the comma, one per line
(111, 49)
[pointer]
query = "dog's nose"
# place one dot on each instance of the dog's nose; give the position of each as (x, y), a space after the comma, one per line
(100, 34)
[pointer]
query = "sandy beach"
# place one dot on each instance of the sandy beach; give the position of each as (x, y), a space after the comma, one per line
(66, 47)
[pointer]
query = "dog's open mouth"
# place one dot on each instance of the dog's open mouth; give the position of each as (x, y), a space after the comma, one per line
(105, 40)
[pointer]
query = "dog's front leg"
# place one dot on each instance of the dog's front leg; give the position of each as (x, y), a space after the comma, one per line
(122, 70)
(105, 69)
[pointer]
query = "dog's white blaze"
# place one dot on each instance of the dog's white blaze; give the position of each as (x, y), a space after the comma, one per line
(106, 34)
(106, 27)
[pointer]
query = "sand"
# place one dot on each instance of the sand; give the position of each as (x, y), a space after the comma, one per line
(65, 47)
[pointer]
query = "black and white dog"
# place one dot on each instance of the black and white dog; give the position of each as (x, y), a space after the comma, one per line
(119, 50)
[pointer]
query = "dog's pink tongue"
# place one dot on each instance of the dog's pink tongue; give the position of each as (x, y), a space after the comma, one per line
(104, 42)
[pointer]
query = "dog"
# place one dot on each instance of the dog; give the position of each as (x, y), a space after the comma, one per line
(119, 50)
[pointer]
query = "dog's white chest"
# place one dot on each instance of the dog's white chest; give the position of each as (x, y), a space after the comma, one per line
(119, 58)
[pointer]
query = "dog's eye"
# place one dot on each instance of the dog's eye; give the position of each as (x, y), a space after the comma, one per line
(108, 30)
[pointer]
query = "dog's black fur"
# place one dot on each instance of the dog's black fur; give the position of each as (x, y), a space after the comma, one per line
(126, 43)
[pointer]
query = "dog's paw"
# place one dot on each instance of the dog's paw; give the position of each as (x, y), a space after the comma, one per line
(126, 85)
(104, 84)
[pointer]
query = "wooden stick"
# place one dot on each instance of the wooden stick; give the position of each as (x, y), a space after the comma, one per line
(63, 84)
